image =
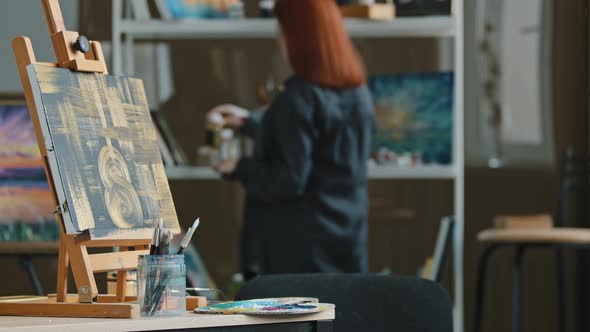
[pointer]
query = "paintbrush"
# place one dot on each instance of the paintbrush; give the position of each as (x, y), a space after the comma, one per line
(157, 293)
(154, 250)
(187, 237)
(165, 242)
(160, 229)
(155, 239)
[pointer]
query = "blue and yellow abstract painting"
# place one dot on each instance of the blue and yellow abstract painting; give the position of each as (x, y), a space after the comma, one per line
(414, 114)
(187, 9)
(108, 168)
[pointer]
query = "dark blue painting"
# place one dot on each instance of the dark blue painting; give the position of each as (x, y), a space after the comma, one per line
(187, 9)
(414, 115)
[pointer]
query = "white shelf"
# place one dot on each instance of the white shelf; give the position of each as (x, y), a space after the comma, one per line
(432, 26)
(191, 173)
(411, 173)
(375, 173)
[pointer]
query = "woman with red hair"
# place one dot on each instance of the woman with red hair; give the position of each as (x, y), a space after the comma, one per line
(306, 185)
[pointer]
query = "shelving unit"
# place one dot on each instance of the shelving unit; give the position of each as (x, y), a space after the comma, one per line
(267, 28)
(375, 173)
(126, 31)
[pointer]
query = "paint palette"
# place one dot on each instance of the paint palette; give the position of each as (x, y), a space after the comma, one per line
(271, 306)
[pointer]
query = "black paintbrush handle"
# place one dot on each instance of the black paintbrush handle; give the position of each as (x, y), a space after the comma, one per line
(158, 292)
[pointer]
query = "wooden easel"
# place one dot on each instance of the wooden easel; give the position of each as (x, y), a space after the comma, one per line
(77, 53)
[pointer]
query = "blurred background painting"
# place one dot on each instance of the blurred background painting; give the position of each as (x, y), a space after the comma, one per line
(414, 118)
(190, 9)
(26, 205)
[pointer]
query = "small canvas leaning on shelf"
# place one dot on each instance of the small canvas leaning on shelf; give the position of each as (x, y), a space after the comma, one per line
(423, 7)
(171, 151)
(414, 114)
(196, 9)
(26, 205)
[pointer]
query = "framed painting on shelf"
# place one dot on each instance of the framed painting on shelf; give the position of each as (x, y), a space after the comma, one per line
(414, 113)
(195, 9)
(26, 203)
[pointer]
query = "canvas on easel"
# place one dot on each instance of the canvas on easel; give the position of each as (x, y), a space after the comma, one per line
(110, 171)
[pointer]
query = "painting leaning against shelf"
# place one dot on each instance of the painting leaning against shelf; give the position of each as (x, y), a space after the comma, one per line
(26, 205)
(414, 114)
(195, 9)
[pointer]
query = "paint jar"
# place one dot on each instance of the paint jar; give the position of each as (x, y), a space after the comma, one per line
(266, 8)
(213, 134)
(236, 10)
(229, 147)
(161, 285)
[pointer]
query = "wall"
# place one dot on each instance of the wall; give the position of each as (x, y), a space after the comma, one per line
(572, 124)
(26, 18)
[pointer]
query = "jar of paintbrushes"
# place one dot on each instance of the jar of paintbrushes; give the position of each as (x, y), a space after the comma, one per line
(161, 287)
(161, 275)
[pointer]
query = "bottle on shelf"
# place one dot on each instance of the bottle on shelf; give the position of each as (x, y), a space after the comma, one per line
(236, 10)
(229, 146)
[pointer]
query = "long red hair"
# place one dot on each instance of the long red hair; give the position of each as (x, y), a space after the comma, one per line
(318, 47)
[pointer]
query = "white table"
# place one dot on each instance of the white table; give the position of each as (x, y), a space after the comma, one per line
(319, 322)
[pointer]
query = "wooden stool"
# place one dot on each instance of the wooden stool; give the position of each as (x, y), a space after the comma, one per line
(545, 236)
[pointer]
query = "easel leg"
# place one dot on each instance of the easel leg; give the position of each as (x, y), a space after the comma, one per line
(121, 282)
(83, 273)
(62, 271)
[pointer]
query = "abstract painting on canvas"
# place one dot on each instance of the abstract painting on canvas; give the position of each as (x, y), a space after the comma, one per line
(100, 138)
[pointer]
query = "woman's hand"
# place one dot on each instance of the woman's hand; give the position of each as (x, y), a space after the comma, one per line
(226, 167)
(229, 116)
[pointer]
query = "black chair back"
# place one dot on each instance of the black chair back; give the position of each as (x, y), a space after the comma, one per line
(365, 302)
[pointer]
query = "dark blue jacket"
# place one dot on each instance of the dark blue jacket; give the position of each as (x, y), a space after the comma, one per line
(306, 185)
